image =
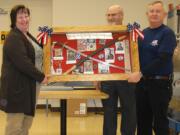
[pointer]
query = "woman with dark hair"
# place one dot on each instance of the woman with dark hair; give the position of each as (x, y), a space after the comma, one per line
(20, 72)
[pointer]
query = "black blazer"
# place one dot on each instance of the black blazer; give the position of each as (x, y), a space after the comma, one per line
(18, 75)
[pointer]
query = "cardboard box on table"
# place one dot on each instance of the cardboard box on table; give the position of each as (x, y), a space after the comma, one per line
(130, 62)
(76, 107)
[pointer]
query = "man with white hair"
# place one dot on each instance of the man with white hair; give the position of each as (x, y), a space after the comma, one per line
(121, 90)
(154, 90)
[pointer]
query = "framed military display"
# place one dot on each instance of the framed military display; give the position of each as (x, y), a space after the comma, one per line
(90, 53)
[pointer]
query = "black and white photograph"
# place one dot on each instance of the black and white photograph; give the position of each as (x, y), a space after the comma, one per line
(88, 67)
(109, 55)
(103, 69)
(91, 44)
(82, 45)
(71, 57)
(119, 47)
(58, 54)
(102, 41)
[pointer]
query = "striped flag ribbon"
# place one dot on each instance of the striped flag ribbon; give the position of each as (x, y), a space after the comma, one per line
(42, 37)
(136, 32)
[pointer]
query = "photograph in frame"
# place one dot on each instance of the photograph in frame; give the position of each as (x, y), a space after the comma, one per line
(58, 54)
(88, 67)
(71, 57)
(91, 44)
(103, 69)
(119, 47)
(109, 55)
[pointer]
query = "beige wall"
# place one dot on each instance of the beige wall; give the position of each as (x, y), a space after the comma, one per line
(85, 12)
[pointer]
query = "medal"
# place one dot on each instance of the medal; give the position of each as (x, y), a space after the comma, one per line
(101, 56)
(120, 58)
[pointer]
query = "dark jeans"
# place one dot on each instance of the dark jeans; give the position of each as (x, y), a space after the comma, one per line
(126, 93)
(152, 99)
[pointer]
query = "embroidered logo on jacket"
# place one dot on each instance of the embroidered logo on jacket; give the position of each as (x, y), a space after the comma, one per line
(154, 43)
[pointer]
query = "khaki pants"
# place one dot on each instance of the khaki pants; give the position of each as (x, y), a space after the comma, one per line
(18, 124)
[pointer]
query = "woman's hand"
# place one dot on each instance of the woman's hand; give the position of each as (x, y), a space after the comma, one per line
(45, 80)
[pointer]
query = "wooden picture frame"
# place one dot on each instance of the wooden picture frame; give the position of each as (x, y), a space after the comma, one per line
(133, 55)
